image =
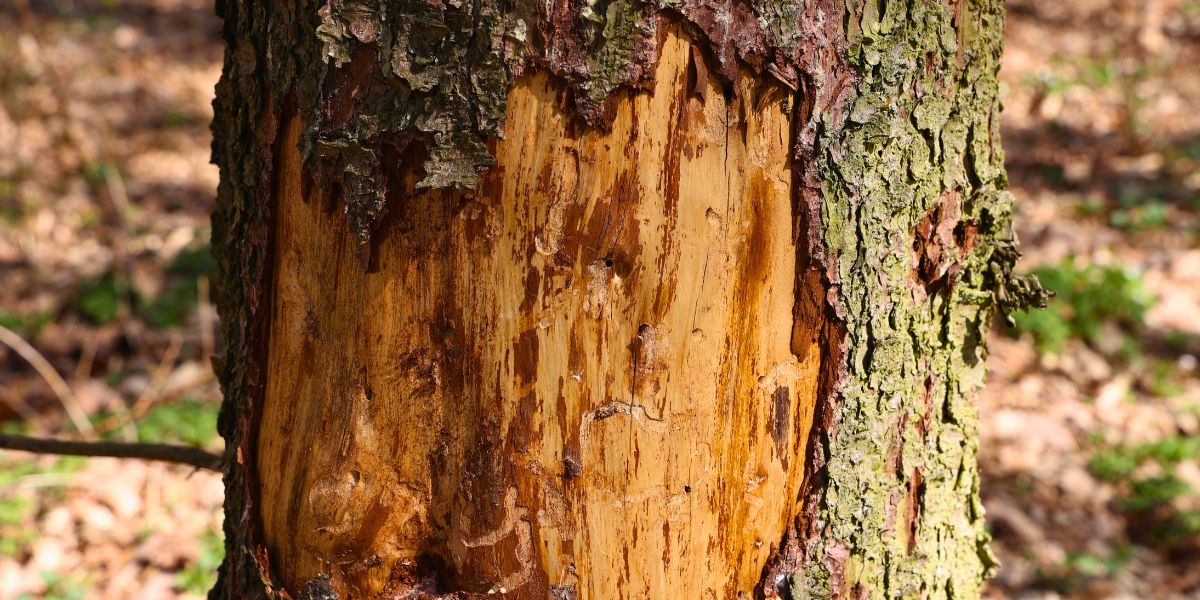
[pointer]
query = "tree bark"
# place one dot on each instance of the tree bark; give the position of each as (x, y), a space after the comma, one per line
(607, 300)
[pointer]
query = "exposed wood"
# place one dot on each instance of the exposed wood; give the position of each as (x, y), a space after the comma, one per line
(584, 379)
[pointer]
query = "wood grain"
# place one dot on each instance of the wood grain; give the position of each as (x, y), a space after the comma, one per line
(583, 379)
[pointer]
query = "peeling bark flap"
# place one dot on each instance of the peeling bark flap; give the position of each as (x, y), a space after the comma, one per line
(439, 72)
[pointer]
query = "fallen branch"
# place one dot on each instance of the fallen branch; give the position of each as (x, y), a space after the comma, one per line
(185, 455)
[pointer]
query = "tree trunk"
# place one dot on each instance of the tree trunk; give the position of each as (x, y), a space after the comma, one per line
(678, 299)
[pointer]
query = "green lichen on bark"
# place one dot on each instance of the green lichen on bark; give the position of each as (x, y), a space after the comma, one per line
(619, 31)
(918, 226)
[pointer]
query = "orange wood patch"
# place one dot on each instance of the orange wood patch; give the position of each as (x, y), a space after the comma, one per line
(582, 376)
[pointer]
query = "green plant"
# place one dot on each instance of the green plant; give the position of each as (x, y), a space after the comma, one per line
(14, 542)
(17, 506)
(187, 421)
(14, 509)
(199, 576)
(97, 173)
(12, 471)
(1094, 565)
(1152, 492)
(169, 308)
(15, 427)
(100, 299)
(11, 210)
(1072, 576)
(1118, 463)
(194, 261)
(1089, 302)
(181, 295)
(1152, 214)
(64, 587)
(1162, 380)
(1091, 206)
(28, 325)
(1115, 464)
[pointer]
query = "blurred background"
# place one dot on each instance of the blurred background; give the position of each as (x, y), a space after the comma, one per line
(1091, 420)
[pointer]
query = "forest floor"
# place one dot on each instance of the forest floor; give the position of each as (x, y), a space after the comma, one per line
(1091, 417)
(1090, 422)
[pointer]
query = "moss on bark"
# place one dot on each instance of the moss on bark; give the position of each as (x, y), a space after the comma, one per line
(918, 226)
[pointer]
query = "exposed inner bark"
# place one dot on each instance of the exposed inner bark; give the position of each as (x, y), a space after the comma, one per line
(591, 376)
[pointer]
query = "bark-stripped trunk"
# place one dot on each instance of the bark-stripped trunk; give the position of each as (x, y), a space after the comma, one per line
(625, 299)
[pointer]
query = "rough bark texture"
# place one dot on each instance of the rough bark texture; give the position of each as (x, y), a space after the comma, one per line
(917, 226)
(899, 249)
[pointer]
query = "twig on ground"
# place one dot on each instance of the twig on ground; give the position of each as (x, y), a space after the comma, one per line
(159, 378)
(186, 455)
(53, 379)
(87, 358)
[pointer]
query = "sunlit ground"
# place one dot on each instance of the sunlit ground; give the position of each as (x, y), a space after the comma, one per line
(1090, 421)
(105, 190)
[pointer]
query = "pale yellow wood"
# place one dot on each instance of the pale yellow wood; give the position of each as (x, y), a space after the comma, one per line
(582, 375)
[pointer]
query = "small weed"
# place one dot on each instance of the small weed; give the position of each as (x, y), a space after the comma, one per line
(15, 542)
(14, 509)
(89, 218)
(186, 421)
(1179, 341)
(1163, 380)
(15, 427)
(1092, 206)
(1054, 174)
(1117, 464)
(27, 325)
(1088, 302)
(17, 506)
(1114, 465)
(11, 209)
(1100, 73)
(12, 471)
(194, 261)
(1073, 575)
(1152, 214)
(200, 576)
(1151, 494)
(1093, 565)
(169, 308)
(180, 297)
(100, 299)
(64, 587)
(1051, 82)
